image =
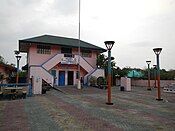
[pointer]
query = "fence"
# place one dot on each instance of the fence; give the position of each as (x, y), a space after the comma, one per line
(144, 83)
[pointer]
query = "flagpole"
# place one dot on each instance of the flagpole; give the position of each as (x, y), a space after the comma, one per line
(79, 83)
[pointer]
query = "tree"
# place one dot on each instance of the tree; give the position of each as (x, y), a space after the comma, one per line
(2, 60)
(1, 78)
(101, 60)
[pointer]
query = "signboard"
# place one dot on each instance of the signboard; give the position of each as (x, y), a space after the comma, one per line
(68, 60)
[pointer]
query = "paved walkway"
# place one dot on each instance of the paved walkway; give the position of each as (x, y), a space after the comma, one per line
(85, 110)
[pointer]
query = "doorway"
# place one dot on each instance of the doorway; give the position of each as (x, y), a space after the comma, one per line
(70, 78)
(61, 78)
(53, 72)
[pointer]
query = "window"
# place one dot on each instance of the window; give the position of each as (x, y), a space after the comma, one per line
(67, 52)
(86, 53)
(42, 49)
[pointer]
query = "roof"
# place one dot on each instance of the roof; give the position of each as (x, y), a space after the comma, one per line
(57, 40)
(135, 73)
(8, 67)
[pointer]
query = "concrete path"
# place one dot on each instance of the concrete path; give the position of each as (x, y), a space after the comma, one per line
(85, 109)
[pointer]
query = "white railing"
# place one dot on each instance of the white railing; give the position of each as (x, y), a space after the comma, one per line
(50, 63)
(95, 72)
(84, 64)
(86, 76)
(41, 73)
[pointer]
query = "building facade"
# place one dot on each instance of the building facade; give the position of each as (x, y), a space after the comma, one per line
(55, 60)
(6, 72)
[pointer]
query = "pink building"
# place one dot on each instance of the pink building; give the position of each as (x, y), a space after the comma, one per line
(54, 59)
(5, 72)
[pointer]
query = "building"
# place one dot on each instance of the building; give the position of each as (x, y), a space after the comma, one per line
(55, 59)
(5, 72)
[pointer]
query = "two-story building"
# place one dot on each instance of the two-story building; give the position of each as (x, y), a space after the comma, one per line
(55, 60)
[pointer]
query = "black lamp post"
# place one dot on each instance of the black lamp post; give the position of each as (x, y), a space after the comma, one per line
(157, 51)
(155, 75)
(109, 45)
(18, 57)
(148, 62)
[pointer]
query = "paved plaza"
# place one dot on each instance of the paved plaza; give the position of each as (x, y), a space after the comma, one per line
(85, 110)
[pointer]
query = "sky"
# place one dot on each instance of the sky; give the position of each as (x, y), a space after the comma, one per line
(136, 26)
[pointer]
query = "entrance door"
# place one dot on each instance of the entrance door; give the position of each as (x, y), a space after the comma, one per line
(53, 72)
(61, 78)
(70, 78)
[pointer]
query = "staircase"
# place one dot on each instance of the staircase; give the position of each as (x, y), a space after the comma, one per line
(98, 72)
(84, 64)
(40, 73)
(50, 63)
(86, 77)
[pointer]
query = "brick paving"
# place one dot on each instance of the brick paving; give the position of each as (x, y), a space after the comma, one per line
(85, 110)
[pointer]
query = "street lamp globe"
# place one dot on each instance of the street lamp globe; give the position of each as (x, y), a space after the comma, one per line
(18, 57)
(155, 66)
(157, 51)
(109, 44)
(148, 62)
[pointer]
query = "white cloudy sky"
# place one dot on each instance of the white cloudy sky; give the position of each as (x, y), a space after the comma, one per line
(137, 26)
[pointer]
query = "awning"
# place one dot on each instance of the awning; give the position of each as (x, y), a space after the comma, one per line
(134, 74)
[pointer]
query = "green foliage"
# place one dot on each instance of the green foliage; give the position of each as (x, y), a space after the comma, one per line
(1, 78)
(101, 81)
(22, 74)
(167, 75)
(93, 80)
(2, 60)
(102, 62)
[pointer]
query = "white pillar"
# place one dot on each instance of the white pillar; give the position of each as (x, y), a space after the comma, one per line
(36, 85)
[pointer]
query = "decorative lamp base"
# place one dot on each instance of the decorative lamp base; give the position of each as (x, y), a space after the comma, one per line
(109, 103)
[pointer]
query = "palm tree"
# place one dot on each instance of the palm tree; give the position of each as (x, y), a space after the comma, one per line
(101, 60)
(2, 60)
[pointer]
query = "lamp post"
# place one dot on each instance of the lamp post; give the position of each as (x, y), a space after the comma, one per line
(157, 51)
(79, 81)
(109, 45)
(155, 76)
(18, 57)
(148, 62)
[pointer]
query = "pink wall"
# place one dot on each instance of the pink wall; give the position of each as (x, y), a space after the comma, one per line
(144, 83)
(38, 59)
(92, 60)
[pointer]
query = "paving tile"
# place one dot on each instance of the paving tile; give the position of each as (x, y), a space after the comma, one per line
(85, 110)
